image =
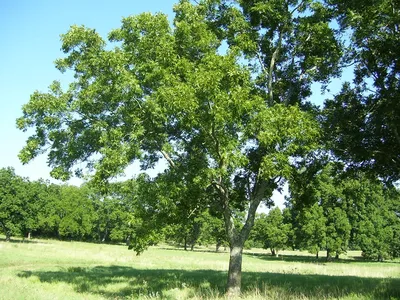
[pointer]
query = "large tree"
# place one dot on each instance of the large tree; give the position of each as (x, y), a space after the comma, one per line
(218, 95)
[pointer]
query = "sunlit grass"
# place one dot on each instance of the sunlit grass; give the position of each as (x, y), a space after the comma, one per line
(71, 270)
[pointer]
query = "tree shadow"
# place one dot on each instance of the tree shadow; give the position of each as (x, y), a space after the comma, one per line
(313, 286)
(312, 259)
(21, 241)
(295, 258)
(122, 281)
(201, 250)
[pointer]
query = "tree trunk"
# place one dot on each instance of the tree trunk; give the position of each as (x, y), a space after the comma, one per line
(29, 235)
(238, 238)
(128, 240)
(105, 235)
(185, 243)
(328, 255)
(273, 253)
(8, 236)
(337, 255)
(235, 271)
(217, 246)
(317, 254)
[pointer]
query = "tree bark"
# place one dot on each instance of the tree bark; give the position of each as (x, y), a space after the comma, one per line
(128, 240)
(217, 246)
(237, 238)
(235, 271)
(328, 255)
(185, 242)
(105, 235)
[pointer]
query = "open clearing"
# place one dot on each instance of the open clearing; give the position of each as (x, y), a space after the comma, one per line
(42, 269)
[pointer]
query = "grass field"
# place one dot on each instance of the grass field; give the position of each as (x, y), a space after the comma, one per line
(42, 269)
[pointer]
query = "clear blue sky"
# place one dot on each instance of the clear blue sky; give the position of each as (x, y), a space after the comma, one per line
(30, 42)
(29, 35)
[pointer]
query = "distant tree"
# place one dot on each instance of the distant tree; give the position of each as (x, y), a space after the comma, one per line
(371, 208)
(289, 218)
(213, 230)
(311, 229)
(66, 212)
(324, 188)
(49, 214)
(337, 231)
(271, 230)
(356, 210)
(395, 245)
(76, 212)
(114, 211)
(13, 196)
(34, 203)
(328, 188)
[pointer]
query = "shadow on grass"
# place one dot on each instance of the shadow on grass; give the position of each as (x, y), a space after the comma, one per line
(221, 251)
(20, 241)
(122, 281)
(296, 258)
(313, 259)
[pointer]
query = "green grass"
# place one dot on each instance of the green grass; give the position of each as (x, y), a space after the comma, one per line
(72, 270)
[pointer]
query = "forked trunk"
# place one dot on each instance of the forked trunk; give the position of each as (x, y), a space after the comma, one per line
(235, 271)
(237, 237)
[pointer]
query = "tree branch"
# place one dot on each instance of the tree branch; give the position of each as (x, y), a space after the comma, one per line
(297, 7)
(260, 60)
(254, 203)
(192, 212)
(168, 158)
(215, 139)
(228, 219)
(271, 68)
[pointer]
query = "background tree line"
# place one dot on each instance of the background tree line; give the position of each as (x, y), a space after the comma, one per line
(340, 214)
